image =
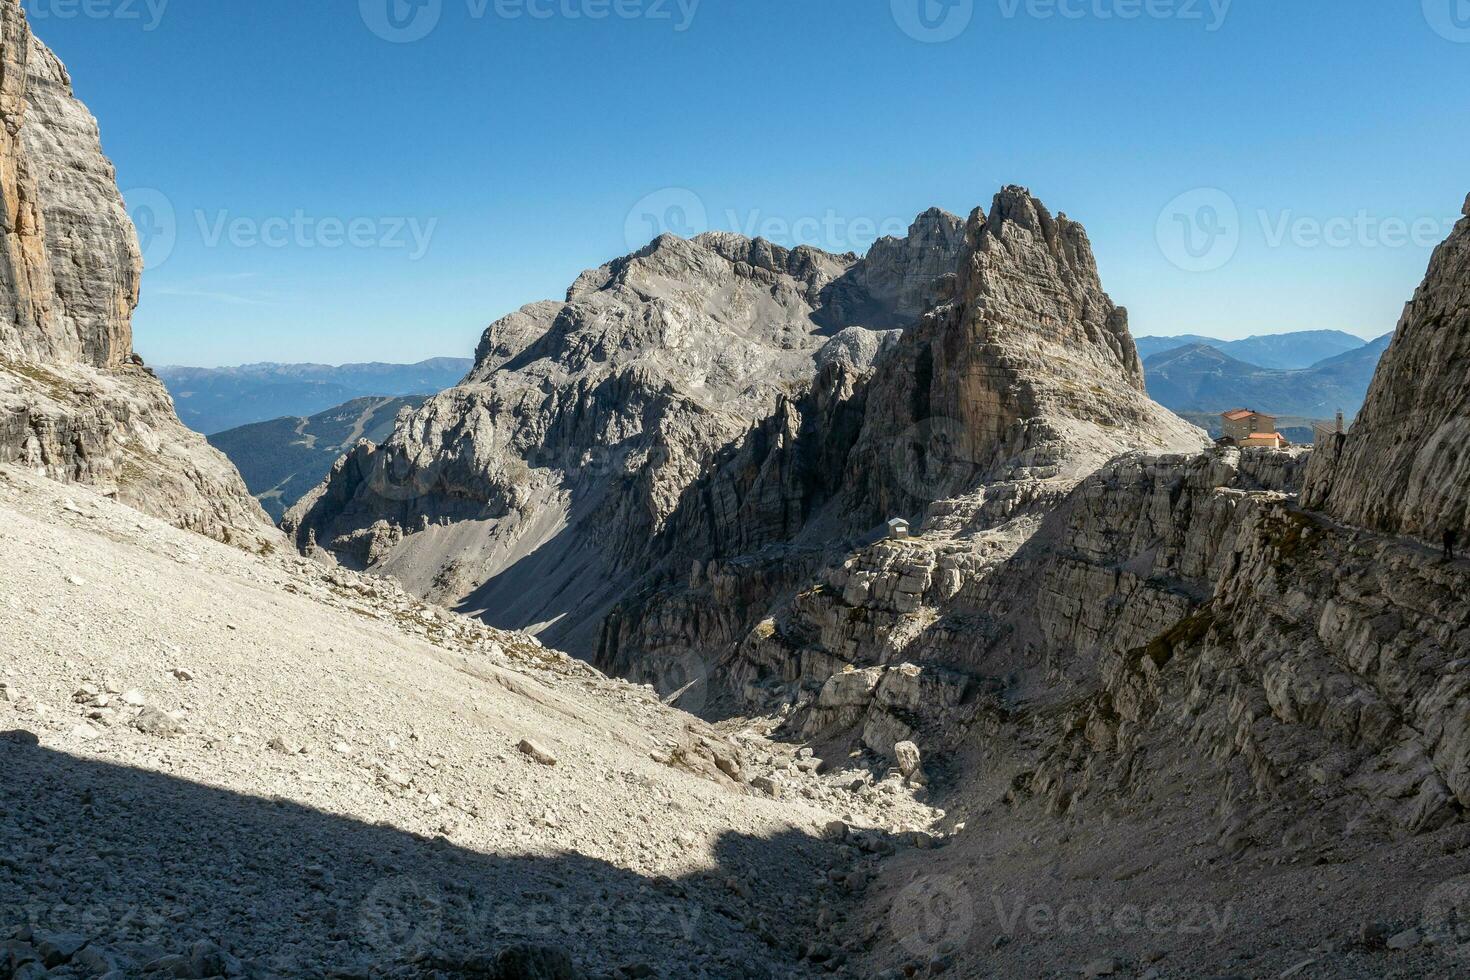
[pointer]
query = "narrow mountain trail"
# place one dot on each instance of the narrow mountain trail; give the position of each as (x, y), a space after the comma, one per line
(307, 439)
(360, 425)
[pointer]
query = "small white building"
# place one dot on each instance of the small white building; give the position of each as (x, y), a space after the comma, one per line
(898, 529)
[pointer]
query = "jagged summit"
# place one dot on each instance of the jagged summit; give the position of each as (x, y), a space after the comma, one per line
(594, 439)
(528, 492)
(1025, 262)
(973, 424)
(1405, 463)
(1029, 370)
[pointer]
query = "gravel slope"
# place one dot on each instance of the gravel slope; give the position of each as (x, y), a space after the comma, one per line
(311, 774)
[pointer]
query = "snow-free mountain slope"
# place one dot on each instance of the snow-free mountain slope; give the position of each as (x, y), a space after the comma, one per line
(532, 494)
(75, 402)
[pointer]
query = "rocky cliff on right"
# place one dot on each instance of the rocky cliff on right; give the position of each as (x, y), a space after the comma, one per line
(1221, 726)
(1405, 466)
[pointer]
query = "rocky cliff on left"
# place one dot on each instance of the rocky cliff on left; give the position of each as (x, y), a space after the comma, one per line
(75, 403)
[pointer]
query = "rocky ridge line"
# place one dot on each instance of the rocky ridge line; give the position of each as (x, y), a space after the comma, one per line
(531, 494)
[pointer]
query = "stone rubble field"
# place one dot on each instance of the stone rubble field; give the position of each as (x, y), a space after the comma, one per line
(222, 764)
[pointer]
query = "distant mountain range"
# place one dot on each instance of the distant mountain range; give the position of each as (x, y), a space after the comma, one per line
(284, 458)
(1283, 351)
(1202, 378)
(212, 400)
(284, 425)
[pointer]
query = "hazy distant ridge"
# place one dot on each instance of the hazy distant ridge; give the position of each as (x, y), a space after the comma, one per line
(1202, 378)
(1283, 351)
(211, 400)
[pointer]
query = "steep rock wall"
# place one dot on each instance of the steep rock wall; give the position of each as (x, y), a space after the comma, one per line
(75, 403)
(534, 493)
(1405, 464)
(974, 423)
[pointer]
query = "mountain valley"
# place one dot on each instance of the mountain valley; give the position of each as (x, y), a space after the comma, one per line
(748, 612)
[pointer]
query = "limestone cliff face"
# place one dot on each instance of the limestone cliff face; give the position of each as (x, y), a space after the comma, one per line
(1303, 651)
(1029, 374)
(707, 431)
(69, 263)
(902, 277)
(74, 403)
(1289, 658)
(534, 493)
(1405, 464)
(976, 423)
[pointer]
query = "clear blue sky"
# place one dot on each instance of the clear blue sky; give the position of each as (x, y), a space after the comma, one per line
(521, 144)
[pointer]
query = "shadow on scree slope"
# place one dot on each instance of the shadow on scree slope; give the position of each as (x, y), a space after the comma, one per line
(129, 859)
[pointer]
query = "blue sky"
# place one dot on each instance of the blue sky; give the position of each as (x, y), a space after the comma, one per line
(319, 182)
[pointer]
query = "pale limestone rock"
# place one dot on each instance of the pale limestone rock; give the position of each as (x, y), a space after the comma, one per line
(75, 403)
(535, 751)
(1405, 463)
(976, 422)
(536, 493)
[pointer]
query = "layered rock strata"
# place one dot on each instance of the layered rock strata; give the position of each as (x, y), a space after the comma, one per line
(536, 492)
(75, 402)
(1405, 464)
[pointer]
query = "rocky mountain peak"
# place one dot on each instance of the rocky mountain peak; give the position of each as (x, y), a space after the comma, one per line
(1029, 370)
(69, 260)
(909, 275)
(1405, 463)
(1026, 269)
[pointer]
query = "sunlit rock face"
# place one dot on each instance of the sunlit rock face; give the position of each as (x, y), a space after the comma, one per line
(1405, 464)
(75, 404)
